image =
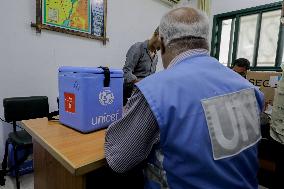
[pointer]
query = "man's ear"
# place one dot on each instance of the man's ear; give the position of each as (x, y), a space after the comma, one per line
(163, 48)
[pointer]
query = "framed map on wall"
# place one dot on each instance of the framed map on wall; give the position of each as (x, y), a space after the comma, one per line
(86, 18)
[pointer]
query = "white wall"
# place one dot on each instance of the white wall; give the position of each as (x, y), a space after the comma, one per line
(190, 3)
(29, 61)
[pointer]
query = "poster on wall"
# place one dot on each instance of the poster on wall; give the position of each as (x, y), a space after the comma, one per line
(86, 18)
(97, 15)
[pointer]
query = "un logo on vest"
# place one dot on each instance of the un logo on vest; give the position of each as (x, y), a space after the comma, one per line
(106, 97)
(233, 122)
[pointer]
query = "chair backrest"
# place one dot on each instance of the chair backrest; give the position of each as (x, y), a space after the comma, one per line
(22, 108)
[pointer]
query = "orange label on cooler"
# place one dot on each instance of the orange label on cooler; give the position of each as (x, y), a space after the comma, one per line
(69, 99)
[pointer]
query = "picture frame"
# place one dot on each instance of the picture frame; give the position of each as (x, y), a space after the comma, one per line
(84, 18)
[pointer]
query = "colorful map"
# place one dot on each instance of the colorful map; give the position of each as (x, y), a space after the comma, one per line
(69, 14)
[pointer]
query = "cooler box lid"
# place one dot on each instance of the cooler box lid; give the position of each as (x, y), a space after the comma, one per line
(94, 70)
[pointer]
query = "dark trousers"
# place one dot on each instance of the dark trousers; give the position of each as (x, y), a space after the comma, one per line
(105, 178)
(127, 92)
(279, 166)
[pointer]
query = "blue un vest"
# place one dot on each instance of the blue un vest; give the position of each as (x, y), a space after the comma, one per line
(184, 157)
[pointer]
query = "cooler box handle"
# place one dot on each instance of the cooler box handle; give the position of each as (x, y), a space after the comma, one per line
(107, 76)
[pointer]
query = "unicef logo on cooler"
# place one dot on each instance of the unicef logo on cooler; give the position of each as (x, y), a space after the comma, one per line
(106, 97)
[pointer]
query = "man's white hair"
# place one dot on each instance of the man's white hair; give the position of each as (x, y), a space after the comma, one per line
(171, 28)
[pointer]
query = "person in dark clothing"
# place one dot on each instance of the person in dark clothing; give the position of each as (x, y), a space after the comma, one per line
(141, 61)
(241, 66)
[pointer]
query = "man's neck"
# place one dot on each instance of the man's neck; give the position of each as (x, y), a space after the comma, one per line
(171, 55)
(178, 56)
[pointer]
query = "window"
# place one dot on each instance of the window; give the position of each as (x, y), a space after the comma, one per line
(245, 48)
(282, 50)
(281, 47)
(225, 41)
(255, 34)
(268, 38)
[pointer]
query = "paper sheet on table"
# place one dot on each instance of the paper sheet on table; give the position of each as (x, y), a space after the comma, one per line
(273, 81)
(269, 109)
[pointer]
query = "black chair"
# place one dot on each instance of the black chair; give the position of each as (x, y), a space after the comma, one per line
(17, 109)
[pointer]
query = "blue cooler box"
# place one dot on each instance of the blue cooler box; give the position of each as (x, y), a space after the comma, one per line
(90, 98)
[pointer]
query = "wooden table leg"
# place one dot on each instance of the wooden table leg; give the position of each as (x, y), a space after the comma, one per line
(50, 174)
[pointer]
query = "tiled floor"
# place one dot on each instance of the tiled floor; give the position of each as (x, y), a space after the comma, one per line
(27, 182)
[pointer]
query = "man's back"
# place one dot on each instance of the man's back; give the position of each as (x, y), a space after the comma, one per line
(196, 123)
(202, 140)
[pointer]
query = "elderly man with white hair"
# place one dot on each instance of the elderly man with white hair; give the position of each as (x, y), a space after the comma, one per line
(195, 124)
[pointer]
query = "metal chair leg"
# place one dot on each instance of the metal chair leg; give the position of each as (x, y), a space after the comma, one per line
(4, 162)
(3, 172)
(16, 166)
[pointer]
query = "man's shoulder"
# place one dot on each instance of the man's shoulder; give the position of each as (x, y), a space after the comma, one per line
(155, 80)
(137, 45)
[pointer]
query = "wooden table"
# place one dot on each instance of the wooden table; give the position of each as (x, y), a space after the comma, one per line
(62, 156)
